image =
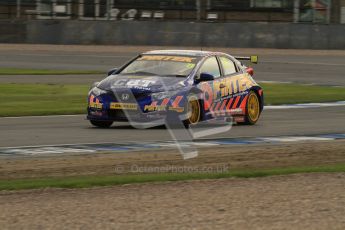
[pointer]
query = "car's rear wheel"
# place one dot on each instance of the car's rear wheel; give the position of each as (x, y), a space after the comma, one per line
(252, 109)
(101, 124)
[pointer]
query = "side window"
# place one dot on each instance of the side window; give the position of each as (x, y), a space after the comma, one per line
(228, 66)
(210, 66)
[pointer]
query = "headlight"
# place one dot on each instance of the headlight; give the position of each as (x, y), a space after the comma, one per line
(162, 95)
(97, 91)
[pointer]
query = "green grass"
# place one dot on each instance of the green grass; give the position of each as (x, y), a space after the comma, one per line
(14, 71)
(40, 99)
(49, 99)
(282, 93)
(90, 181)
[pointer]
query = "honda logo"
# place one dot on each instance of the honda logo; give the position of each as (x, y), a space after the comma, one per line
(125, 96)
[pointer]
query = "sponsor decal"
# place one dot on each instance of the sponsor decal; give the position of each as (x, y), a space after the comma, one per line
(166, 58)
(94, 103)
(239, 119)
(96, 113)
(123, 106)
(232, 85)
(190, 65)
(177, 109)
(175, 105)
(237, 111)
(224, 89)
(151, 108)
(133, 83)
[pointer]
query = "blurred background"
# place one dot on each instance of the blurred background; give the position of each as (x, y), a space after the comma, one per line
(306, 11)
(261, 23)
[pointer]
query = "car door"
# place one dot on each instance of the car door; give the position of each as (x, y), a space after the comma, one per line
(230, 87)
(210, 93)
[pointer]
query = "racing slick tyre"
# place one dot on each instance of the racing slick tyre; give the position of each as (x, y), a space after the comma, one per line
(252, 109)
(101, 124)
(193, 109)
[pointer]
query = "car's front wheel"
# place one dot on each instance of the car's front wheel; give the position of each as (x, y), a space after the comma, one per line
(101, 124)
(193, 111)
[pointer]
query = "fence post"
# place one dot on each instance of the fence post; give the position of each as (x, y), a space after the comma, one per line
(108, 9)
(18, 8)
(296, 11)
(313, 5)
(198, 9)
(329, 5)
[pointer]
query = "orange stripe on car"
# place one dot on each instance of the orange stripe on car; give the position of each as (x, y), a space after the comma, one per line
(212, 106)
(243, 104)
(217, 106)
(222, 107)
(177, 101)
(224, 104)
(165, 101)
(229, 104)
(236, 102)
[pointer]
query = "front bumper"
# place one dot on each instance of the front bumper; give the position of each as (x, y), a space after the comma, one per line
(141, 108)
(123, 115)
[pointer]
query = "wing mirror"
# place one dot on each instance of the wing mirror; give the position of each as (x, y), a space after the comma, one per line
(250, 70)
(205, 77)
(110, 72)
(94, 85)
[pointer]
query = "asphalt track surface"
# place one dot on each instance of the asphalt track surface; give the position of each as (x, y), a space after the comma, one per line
(301, 66)
(56, 130)
(315, 67)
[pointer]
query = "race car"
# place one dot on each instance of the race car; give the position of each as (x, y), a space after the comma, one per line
(194, 85)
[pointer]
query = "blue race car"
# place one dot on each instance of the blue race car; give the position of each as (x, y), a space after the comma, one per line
(195, 85)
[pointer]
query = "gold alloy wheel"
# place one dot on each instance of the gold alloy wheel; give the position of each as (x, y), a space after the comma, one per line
(253, 107)
(193, 110)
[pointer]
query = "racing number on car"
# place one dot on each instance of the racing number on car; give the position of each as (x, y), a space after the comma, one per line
(208, 95)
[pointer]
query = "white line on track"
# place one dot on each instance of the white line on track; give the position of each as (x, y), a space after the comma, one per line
(305, 105)
(296, 139)
(125, 147)
(61, 145)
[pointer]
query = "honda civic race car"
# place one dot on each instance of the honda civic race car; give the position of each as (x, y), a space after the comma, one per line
(195, 85)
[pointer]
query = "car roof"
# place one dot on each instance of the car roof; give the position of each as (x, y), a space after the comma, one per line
(197, 53)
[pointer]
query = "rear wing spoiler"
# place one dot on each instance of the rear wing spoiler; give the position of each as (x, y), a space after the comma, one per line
(253, 59)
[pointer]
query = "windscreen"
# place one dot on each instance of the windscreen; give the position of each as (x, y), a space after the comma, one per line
(162, 65)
